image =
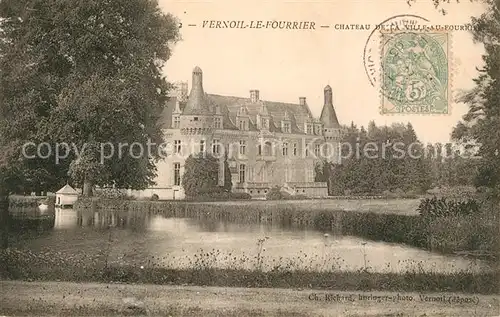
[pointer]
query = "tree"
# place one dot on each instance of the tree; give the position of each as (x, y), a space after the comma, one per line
(387, 160)
(201, 176)
(483, 117)
(83, 73)
(228, 182)
(88, 72)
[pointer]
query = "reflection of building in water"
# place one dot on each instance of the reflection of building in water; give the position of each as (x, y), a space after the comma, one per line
(85, 218)
(65, 218)
(97, 219)
(105, 219)
(111, 218)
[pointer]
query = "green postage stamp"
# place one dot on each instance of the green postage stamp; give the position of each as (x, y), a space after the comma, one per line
(415, 73)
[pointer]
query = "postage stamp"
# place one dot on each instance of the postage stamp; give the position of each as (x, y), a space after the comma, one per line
(415, 76)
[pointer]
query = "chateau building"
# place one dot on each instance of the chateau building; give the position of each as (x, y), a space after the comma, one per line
(267, 143)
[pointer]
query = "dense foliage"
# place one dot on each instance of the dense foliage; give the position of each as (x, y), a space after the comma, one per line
(391, 161)
(442, 207)
(482, 121)
(201, 176)
(82, 73)
(374, 163)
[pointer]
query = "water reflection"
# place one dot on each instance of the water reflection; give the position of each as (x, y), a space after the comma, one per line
(65, 219)
(140, 238)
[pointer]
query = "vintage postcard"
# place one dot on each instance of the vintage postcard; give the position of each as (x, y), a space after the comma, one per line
(249, 158)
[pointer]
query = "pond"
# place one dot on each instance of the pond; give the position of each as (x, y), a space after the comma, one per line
(142, 239)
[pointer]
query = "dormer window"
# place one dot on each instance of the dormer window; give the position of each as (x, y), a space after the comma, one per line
(243, 118)
(242, 111)
(177, 122)
(286, 127)
(218, 123)
(309, 129)
(264, 123)
(195, 119)
(243, 124)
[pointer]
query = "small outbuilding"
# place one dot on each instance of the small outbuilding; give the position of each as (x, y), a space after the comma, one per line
(66, 196)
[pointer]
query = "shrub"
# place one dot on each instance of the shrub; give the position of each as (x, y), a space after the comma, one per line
(201, 176)
(442, 207)
(154, 197)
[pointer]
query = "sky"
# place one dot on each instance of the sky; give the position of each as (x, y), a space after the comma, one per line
(286, 64)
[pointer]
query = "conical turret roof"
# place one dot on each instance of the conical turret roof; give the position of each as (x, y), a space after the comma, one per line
(198, 103)
(328, 115)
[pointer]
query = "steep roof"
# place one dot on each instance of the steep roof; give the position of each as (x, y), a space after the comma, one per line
(297, 114)
(328, 116)
(67, 190)
(198, 103)
(229, 106)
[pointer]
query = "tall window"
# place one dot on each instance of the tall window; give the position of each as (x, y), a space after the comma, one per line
(309, 129)
(177, 146)
(286, 127)
(243, 147)
(177, 122)
(317, 152)
(202, 146)
(217, 123)
(177, 174)
(285, 149)
(295, 149)
(242, 173)
(259, 150)
(215, 146)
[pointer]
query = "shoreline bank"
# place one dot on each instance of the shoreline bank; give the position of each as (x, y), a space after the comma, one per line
(37, 267)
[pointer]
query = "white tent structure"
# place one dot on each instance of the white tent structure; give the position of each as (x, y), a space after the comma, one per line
(66, 196)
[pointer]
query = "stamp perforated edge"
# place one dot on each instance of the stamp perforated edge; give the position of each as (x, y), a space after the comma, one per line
(451, 76)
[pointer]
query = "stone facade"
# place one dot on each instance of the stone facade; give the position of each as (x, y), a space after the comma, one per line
(267, 143)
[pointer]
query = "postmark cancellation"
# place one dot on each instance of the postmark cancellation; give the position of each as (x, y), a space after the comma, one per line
(415, 72)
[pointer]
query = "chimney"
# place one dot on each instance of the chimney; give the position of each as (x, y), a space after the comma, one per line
(302, 101)
(328, 95)
(254, 96)
(181, 91)
(184, 90)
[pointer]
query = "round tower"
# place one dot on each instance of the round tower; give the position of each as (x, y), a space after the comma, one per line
(197, 116)
(331, 126)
